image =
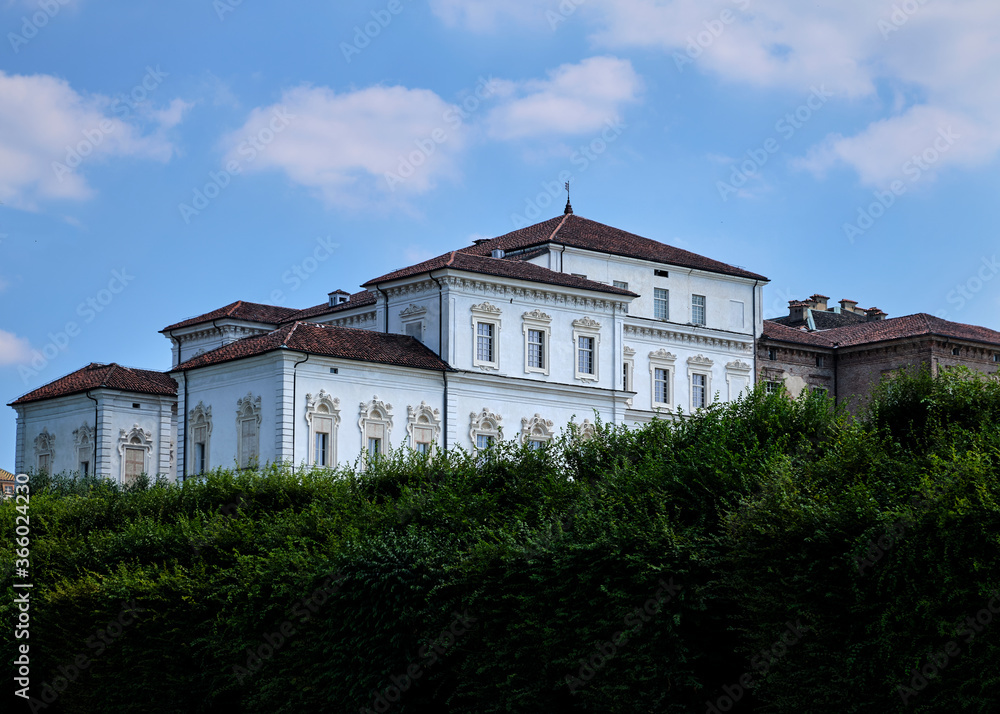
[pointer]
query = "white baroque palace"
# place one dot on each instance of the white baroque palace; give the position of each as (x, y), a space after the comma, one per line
(510, 338)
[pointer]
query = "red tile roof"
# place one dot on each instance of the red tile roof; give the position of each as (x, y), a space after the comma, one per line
(240, 310)
(359, 299)
(499, 267)
(777, 332)
(108, 376)
(327, 340)
(578, 232)
(895, 328)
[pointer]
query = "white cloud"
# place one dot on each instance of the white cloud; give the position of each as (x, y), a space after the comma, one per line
(14, 349)
(343, 145)
(43, 121)
(485, 15)
(575, 99)
(943, 53)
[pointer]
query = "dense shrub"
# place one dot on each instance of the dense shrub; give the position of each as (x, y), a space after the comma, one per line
(849, 550)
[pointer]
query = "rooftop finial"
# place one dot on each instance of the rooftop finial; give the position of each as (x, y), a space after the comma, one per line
(569, 206)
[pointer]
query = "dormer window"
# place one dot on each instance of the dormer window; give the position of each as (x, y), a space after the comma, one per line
(338, 297)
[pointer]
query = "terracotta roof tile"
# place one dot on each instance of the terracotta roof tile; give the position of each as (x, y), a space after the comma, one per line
(578, 232)
(327, 340)
(358, 299)
(240, 310)
(895, 328)
(780, 333)
(108, 376)
(500, 267)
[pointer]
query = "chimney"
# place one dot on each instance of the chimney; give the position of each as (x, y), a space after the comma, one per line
(797, 309)
(874, 314)
(819, 302)
(848, 306)
(338, 297)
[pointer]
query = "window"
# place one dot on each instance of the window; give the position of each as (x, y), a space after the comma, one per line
(535, 445)
(661, 386)
(323, 416)
(135, 461)
(536, 431)
(996, 357)
(627, 377)
(536, 349)
(772, 354)
(201, 427)
(585, 355)
(85, 468)
(485, 429)
(484, 342)
(200, 457)
(44, 463)
(586, 340)
(537, 330)
(773, 387)
(661, 304)
(621, 284)
(956, 351)
(136, 448)
(486, 335)
(45, 451)
(661, 273)
(423, 424)
(698, 309)
(248, 431)
(698, 387)
(820, 361)
(415, 330)
(376, 424)
(84, 448)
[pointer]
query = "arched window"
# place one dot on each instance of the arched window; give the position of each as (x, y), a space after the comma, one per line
(423, 425)
(134, 447)
(45, 451)
(376, 425)
(248, 431)
(323, 417)
(536, 431)
(485, 429)
(200, 419)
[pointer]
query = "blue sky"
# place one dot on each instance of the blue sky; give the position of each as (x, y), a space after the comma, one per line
(159, 160)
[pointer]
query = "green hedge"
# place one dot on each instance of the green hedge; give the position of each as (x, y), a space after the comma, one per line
(645, 570)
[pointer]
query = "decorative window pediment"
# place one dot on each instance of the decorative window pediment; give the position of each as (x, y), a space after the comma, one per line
(586, 323)
(45, 450)
(536, 429)
(485, 428)
(537, 316)
(699, 362)
(423, 426)
(413, 311)
(486, 308)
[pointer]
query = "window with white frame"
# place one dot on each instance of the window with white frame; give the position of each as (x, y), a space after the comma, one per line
(134, 447)
(485, 428)
(486, 336)
(586, 341)
(661, 371)
(200, 419)
(323, 417)
(248, 417)
(423, 425)
(773, 387)
(412, 319)
(536, 432)
(620, 284)
(698, 309)
(700, 381)
(45, 451)
(376, 424)
(85, 441)
(537, 328)
(628, 369)
(661, 303)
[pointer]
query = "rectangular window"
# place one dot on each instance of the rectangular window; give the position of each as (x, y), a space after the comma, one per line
(699, 382)
(322, 440)
(423, 437)
(374, 446)
(322, 446)
(661, 304)
(134, 463)
(661, 386)
(484, 342)
(772, 354)
(85, 468)
(773, 387)
(199, 457)
(661, 273)
(621, 284)
(698, 309)
(585, 355)
(484, 441)
(536, 445)
(248, 442)
(536, 349)
(820, 361)
(44, 462)
(627, 377)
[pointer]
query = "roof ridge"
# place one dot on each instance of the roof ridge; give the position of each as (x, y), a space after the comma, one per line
(561, 223)
(451, 258)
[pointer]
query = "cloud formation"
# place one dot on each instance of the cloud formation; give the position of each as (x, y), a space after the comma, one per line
(14, 349)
